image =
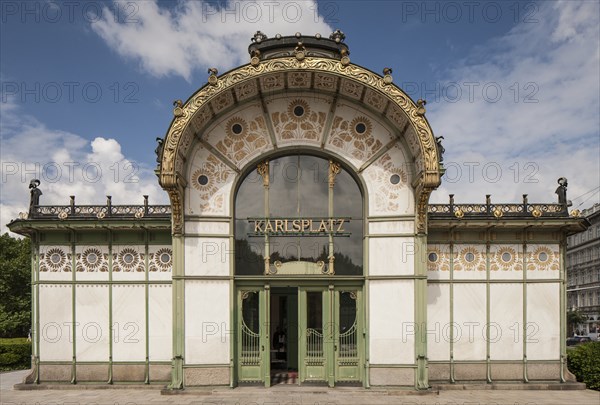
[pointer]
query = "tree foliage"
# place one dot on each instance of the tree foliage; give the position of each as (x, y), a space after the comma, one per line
(583, 362)
(15, 286)
(574, 318)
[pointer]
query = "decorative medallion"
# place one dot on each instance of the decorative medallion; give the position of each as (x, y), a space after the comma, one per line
(161, 260)
(128, 260)
(54, 260)
(92, 260)
(235, 127)
(469, 258)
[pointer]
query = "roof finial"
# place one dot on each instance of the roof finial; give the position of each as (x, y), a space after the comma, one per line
(258, 37)
(338, 36)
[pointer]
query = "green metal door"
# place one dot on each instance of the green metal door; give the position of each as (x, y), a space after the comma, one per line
(315, 349)
(253, 336)
(348, 342)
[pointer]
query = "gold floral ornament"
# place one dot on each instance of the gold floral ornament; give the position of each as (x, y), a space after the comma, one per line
(497, 212)
(92, 260)
(54, 259)
(387, 76)
(421, 107)
(212, 76)
(300, 51)
(236, 127)
(459, 213)
(361, 127)
(128, 260)
(100, 215)
(298, 110)
(536, 213)
(178, 110)
(62, 215)
(162, 260)
(575, 213)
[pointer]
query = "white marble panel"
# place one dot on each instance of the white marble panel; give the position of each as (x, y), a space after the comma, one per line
(543, 261)
(206, 228)
(506, 321)
(207, 323)
(160, 327)
(391, 322)
(470, 321)
(209, 184)
(506, 261)
(207, 256)
(391, 256)
(240, 136)
(438, 261)
(356, 134)
(542, 336)
(56, 262)
(469, 262)
(392, 227)
(92, 317)
(128, 262)
(56, 322)
(438, 321)
(91, 263)
(160, 262)
(129, 322)
(388, 180)
(304, 129)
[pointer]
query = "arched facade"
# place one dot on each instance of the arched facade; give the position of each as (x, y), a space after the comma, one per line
(299, 96)
(297, 246)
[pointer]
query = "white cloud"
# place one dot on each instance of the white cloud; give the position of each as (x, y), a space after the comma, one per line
(555, 64)
(66, 164)
(196, 34)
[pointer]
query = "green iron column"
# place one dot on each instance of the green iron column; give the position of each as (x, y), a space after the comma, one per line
(178, 313)
(422, 382)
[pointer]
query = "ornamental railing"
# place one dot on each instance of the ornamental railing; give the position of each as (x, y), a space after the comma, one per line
(489, 209)
(107, 211)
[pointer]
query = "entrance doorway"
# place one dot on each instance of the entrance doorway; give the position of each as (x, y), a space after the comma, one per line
(284, 335)
(299, 335)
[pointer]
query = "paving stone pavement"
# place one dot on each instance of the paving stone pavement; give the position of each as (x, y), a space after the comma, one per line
(285, 395)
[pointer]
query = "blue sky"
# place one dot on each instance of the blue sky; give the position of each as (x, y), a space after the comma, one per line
(512, 86)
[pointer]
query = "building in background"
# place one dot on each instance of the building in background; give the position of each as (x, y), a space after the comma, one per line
(583, 272)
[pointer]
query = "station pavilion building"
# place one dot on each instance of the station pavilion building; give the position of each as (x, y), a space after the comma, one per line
(299, 246)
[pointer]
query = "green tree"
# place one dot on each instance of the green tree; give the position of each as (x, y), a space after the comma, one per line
(15, 286)
(574, 318)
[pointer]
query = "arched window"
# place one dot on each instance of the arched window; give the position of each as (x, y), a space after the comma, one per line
(309, 210)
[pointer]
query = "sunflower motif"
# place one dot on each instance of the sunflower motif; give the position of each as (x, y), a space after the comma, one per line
(506, 258)
(54, 260)
(361, 127)
(398, 178)
(128, 259)
(469, 258)
(298, 110)
(543, 258)
(433, 257)
(162, 260)
(236, 127)
(91, 260)
(201, 181)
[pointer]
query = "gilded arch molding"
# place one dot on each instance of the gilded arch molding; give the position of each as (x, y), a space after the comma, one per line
(199, 110)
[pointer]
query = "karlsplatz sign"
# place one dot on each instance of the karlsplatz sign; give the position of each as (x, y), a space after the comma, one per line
(299, 226)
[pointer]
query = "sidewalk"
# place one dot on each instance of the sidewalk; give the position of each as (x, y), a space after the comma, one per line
(285, 395)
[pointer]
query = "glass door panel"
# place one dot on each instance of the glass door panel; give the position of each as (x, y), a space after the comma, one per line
(315, 339)
(348, 336)
(253, 338)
